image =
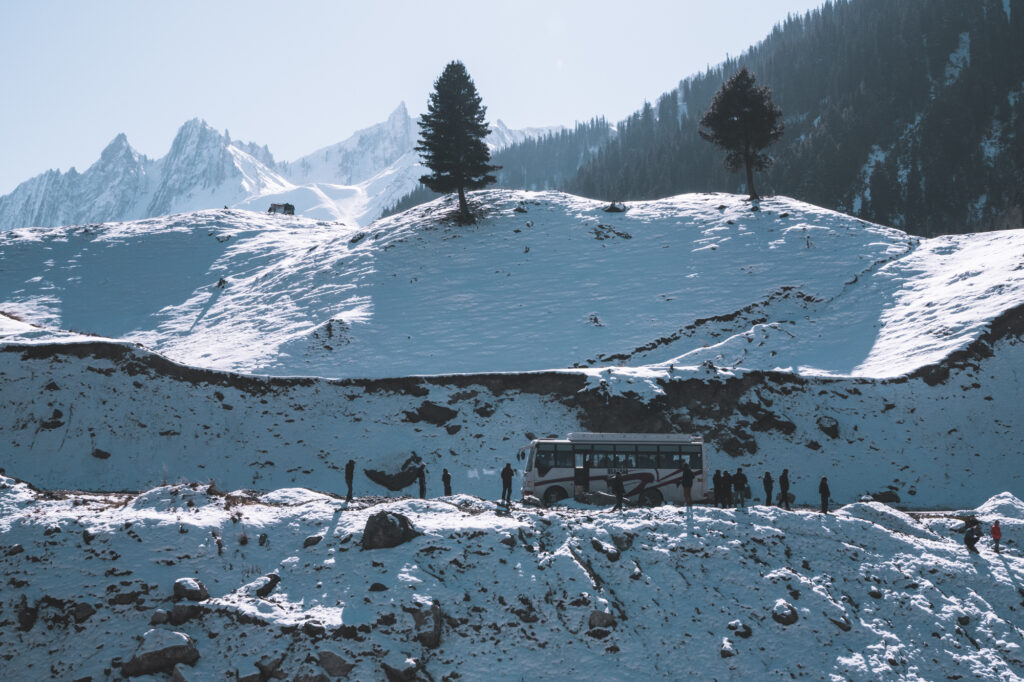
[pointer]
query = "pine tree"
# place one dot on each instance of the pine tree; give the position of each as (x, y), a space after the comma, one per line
(452, 134)
(743, 120)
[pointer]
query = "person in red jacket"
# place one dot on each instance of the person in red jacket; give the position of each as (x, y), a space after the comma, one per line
(997, 535)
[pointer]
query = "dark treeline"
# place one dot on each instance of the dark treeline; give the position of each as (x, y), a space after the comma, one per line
(907, 113)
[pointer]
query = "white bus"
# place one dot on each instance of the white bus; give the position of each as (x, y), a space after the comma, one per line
(651, 465)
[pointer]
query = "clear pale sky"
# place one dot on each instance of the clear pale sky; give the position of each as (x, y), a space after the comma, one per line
(301, 75)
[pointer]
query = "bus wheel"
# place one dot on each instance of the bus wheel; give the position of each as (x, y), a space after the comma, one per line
(650, 498)
(554, 495)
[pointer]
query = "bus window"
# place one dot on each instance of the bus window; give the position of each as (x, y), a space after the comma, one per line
(563, 455)
(647, 456)
(669, 457)
(545, 458)
(604, 456)
(531, 454)
(625, 456)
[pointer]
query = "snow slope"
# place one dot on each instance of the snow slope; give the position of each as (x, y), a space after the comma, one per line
(865, 594)
(544, 280)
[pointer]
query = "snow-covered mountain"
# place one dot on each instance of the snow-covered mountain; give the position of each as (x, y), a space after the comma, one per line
(354, 180)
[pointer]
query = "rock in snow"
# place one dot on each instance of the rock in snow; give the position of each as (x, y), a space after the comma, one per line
(387, 529)
(159, 651)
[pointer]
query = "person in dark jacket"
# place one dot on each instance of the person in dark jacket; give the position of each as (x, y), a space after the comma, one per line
(784, 488)
(716, 481)
(506, 484)
(618, 489)
(739, 485)
(350, 470)
(726, 489)
(446, 480)
(972, 535)
(768, 483)
(421, 477)
(687, 482)
(825, 493)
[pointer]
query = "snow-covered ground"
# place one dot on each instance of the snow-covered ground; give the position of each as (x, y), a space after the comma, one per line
(545, 280)
(866, 593)
(199, 348)
(787, 337)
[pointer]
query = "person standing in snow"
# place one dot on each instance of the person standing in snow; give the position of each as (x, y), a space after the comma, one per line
(768, 482)
(825, 493)
(350, 470)
(716, 481)
(997, 534)
(506, 484)
(618, 489)
(784, 488)
(972, 534)
(739, 484)
(687, 482)
(726, 489)
(446, 479)
(422, 478)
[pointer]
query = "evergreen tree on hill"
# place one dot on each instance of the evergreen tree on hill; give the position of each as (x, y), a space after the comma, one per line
(743, 120)
(452, 134)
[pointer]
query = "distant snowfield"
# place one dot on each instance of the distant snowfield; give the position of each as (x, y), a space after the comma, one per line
(865, 593)
(543, 281)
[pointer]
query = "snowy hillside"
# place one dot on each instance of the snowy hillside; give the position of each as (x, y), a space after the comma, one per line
(789, 336)
(252, 587)
(544, 281)
(354, 180)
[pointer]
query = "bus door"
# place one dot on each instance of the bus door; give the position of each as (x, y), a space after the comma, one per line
(581, 473)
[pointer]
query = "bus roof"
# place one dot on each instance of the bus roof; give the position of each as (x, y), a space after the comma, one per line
(584, 437)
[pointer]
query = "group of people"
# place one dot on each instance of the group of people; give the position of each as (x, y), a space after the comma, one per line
(732, 490)
(973, 533)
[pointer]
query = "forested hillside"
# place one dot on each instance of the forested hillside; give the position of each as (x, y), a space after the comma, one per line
(908, 114)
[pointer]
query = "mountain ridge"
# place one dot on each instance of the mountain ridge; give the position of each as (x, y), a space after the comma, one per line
(353, 180)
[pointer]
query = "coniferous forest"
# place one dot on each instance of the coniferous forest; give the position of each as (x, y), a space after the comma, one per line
(909, 113)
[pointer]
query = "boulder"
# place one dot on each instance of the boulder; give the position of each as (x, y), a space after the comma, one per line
(829, 426)
(427, 624)
(784, 613)
(600, 619)
(727, 651)
(334, 665)
(159, 617)
(266, 584)
(407, 674)
(387, 529)
(190, 589)
(82, 612)
(312, 540)
(182, 613)
(740, 628)
(159, 651)
(27, 615)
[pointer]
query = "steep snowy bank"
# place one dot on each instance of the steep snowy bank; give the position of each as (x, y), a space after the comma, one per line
(866, 593)
(103, 416)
